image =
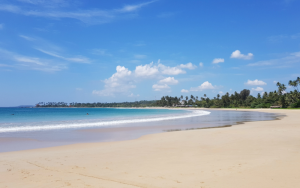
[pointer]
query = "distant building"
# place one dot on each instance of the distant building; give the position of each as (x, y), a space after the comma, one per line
(182, 102)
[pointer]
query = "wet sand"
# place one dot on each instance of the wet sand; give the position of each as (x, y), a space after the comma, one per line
(119, 132)
(254, 154)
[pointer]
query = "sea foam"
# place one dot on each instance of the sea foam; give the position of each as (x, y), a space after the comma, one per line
(99, 124)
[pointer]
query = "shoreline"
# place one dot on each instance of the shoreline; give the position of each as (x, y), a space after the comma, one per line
(255, 154)
(124, 131)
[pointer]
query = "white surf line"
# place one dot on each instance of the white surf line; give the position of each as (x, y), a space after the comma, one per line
(99, 124)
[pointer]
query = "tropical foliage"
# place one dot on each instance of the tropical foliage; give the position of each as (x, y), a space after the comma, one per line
(242, 99)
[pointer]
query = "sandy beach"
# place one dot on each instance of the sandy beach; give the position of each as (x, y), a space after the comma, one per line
(254, 154)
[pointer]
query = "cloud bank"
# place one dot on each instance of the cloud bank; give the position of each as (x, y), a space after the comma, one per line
(124, 80)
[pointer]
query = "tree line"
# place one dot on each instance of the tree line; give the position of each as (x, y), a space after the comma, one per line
(242, 99)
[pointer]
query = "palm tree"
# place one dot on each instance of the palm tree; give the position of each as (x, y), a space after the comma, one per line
(281, 88)
(295, 83)
(265, 95)
(258, 96)
(192, 98)
(205, 95)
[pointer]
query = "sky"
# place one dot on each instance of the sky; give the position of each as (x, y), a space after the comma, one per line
(128, 50)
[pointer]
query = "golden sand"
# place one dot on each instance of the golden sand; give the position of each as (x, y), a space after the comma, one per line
(263, 154)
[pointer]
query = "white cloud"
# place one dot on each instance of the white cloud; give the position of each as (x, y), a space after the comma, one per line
(148, 70)
(78, 59)
(41, 43)
(131, 8)
(275, 82)
(31, 63)
(184, 91)
(221, 92)
(30, 60)
(169, 80)
(119, 82)
(188, 66)
(258, 89)
(10, 8)
(237, 54)
(288, 60)
(1, 26)
(124, 80)
(93, 16)
(121, 73)
(218, 60)
(170, 70)
(78, 89)
(140, 56)
(158, 87)
(50, 49)
(201, 64)
(206, 85)
(255, 82)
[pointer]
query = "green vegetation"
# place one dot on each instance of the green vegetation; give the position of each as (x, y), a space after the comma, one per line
(241, 100)
(237, 100)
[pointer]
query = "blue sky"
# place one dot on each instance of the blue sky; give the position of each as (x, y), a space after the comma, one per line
(127, 50)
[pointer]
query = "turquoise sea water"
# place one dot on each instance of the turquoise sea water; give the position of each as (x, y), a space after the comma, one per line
(30, 128)
(35, 119)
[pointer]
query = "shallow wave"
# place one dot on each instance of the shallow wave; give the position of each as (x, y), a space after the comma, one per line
(99, 124)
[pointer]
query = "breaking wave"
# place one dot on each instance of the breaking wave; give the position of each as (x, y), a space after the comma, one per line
(98, 124)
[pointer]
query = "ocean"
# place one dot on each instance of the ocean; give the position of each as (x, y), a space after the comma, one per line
(29, 128)
(39, 119)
